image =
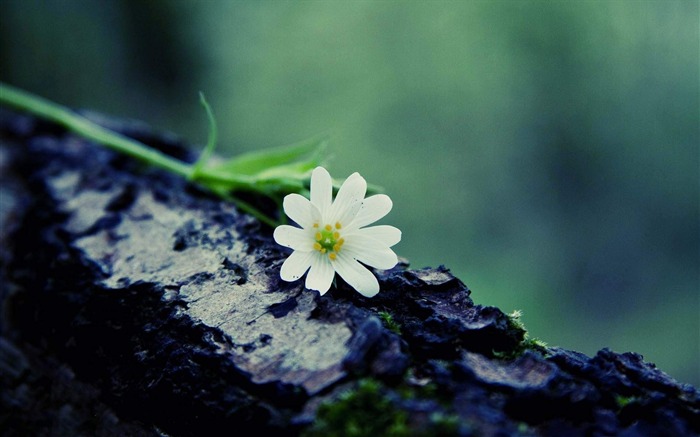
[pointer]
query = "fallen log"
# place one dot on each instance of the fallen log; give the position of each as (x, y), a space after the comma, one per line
(135, 304)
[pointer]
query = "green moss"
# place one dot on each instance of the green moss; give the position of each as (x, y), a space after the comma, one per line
(443, 425)
(523, 428)
(623, 401)
(527, 343)
(514, 320)
(417, 389)
(366, 410)
(362, 411)
(389, 322)
(427, 391)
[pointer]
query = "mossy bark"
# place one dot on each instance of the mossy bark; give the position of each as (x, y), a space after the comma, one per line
(134, 304)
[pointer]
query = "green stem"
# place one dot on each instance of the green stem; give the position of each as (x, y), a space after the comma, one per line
(232, 180)
(92, 131)
(211, 141)
(220, 181)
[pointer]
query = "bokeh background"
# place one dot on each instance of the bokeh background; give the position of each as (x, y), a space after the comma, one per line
(546, 152)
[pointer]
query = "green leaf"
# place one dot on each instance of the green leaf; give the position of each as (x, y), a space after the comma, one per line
(252, 163)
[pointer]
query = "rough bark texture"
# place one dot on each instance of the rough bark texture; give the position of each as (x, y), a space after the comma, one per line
(134, 304)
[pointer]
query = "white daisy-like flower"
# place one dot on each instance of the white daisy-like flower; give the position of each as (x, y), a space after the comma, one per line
(332, 238)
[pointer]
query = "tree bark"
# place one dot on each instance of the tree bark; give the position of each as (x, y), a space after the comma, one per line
(135, 304)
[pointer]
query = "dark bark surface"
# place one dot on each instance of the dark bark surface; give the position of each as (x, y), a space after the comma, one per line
(135, 304)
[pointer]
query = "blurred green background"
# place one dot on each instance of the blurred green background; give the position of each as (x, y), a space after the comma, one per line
(546, 152)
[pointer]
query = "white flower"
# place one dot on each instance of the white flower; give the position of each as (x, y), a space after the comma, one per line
(332, 237)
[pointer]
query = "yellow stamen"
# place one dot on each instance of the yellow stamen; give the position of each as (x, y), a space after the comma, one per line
(328, 240)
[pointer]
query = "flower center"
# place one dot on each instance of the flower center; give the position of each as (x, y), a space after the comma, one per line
(328, 240)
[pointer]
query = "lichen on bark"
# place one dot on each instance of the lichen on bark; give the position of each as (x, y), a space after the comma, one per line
(165, 304)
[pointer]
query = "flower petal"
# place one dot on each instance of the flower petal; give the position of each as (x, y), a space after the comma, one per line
(356, 275)
(296, 265)
(380, 258)
(348, 201)
(294, 238)
(388, 235)
(373, 208)
(321, 189)
(321, 274)
(299, 209)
